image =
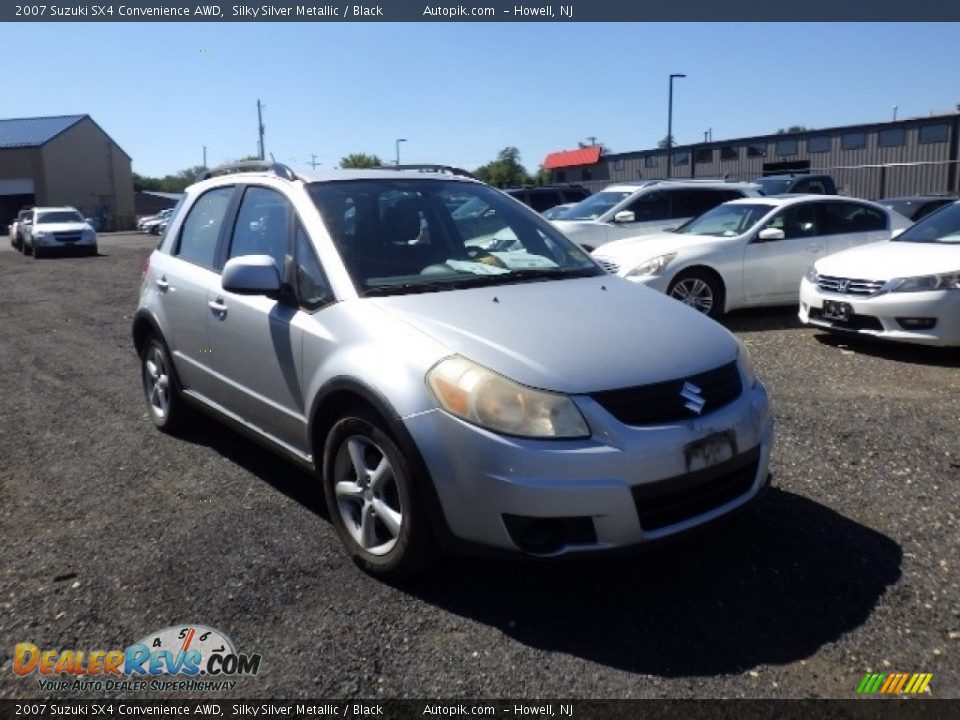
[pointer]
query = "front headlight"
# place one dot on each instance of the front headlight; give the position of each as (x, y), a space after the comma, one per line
(484, 398)
(652, 266)
(926, 283)
(812, 275)
(746, 364)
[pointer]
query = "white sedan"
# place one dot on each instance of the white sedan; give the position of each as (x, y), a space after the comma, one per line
(907, 289)
(749, 252)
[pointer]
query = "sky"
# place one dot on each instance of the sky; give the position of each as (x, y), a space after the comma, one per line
(461, 92)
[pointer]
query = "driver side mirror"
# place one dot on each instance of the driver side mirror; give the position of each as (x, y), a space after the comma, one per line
(251, 275)
(768, 234)
(624, 216)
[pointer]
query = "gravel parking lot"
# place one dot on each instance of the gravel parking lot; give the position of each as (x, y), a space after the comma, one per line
(849, 564)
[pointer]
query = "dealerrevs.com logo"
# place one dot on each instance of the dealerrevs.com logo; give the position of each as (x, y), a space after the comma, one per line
(180, 658)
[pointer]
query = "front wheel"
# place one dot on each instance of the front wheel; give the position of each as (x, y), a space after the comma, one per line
(699, 290)
(374, 500)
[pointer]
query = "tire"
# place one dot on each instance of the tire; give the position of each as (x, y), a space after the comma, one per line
(39, 252)
(27, 249)
(93, 251)
(378, 509)
(699, 289)
(165, 404)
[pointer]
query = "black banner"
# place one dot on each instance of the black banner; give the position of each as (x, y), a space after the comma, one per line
(866, 709)
(480, 11)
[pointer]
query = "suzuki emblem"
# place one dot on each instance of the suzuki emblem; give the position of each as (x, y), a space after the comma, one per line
(695, 401)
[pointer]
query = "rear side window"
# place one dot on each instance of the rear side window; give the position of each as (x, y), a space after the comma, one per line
(263, 225)
(544, 200)
(849, 217)
(690, 203)
(650, 206)
(201, 229)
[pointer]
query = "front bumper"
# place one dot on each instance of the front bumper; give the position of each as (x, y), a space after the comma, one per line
(601, 486)
(52, 241)
(881, 316)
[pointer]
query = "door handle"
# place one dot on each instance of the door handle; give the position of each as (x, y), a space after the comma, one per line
(218, 307)
(162, 283)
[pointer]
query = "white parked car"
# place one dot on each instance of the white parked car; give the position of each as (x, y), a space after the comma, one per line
(748, 252)
(906, 289)
(645, 206)
(56, 229)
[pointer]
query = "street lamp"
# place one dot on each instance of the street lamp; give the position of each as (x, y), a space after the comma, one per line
(670, 122)
(399, 140)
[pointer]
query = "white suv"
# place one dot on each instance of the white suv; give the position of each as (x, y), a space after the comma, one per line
(645, 206)
(55, 229)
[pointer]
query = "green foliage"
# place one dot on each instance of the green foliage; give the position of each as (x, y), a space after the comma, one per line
(168, 183)
(360, 160)
(668, 141)
(793, 129)
(505, 171)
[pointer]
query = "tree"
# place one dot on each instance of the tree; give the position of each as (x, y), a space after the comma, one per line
(667, 142)
(505, 171)
(360, 160)
(793, 129)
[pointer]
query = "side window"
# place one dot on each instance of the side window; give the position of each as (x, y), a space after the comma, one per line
(544, 200)
(263, 225)
(814, 187)
(651, 206)
(313, 290)
(201, 229)
(849, 217)
(690, 203)
(798, 221)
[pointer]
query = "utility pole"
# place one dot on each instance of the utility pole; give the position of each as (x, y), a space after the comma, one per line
(260, 127)
(670, 121)
(894, 113)
(204, 155)
(313, 161)
(592, 139)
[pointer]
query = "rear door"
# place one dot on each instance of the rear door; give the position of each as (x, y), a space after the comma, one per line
(848, 223)
(182, 281)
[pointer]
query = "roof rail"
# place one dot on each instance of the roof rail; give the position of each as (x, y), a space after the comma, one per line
(445, 169)
(278, 169)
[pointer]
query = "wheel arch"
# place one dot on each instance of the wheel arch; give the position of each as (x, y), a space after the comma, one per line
(342, 393)
(700, 269)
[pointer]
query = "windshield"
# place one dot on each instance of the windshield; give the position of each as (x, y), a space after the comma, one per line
(726, 220)
(773, 186)
(401, 236)
(942, 226)
(595, 205)
(60, 216)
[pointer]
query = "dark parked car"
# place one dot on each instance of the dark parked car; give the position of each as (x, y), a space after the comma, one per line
(916, 207)
(797, 183)
(544, 197)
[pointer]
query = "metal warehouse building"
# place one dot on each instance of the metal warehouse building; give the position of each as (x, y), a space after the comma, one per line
(64, 160)
(917, 155)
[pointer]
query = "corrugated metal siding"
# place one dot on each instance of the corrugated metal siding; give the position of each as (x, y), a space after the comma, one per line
(858, 172)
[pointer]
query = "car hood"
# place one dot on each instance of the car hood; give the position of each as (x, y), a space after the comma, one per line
(886, 260)
(645, 247)
(61, 227)
(573, 336)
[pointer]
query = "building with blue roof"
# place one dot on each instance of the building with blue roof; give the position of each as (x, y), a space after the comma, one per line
(64, 160)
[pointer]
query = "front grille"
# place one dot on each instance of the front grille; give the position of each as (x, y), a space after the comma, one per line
(608, 265)
(849, 286)
(663, 402)
(668, 502)
(67, 236)
(856, 322)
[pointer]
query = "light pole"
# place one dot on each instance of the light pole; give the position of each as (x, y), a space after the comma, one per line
(670, 122)
(399, 140)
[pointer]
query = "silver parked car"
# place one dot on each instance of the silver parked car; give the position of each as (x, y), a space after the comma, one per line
(447, 396)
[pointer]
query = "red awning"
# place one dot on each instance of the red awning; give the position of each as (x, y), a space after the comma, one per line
(569, 158)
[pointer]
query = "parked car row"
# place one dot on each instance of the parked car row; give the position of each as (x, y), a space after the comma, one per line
(153, 224)
(42, 230)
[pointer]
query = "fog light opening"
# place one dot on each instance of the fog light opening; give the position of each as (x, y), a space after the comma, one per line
(917, 323)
